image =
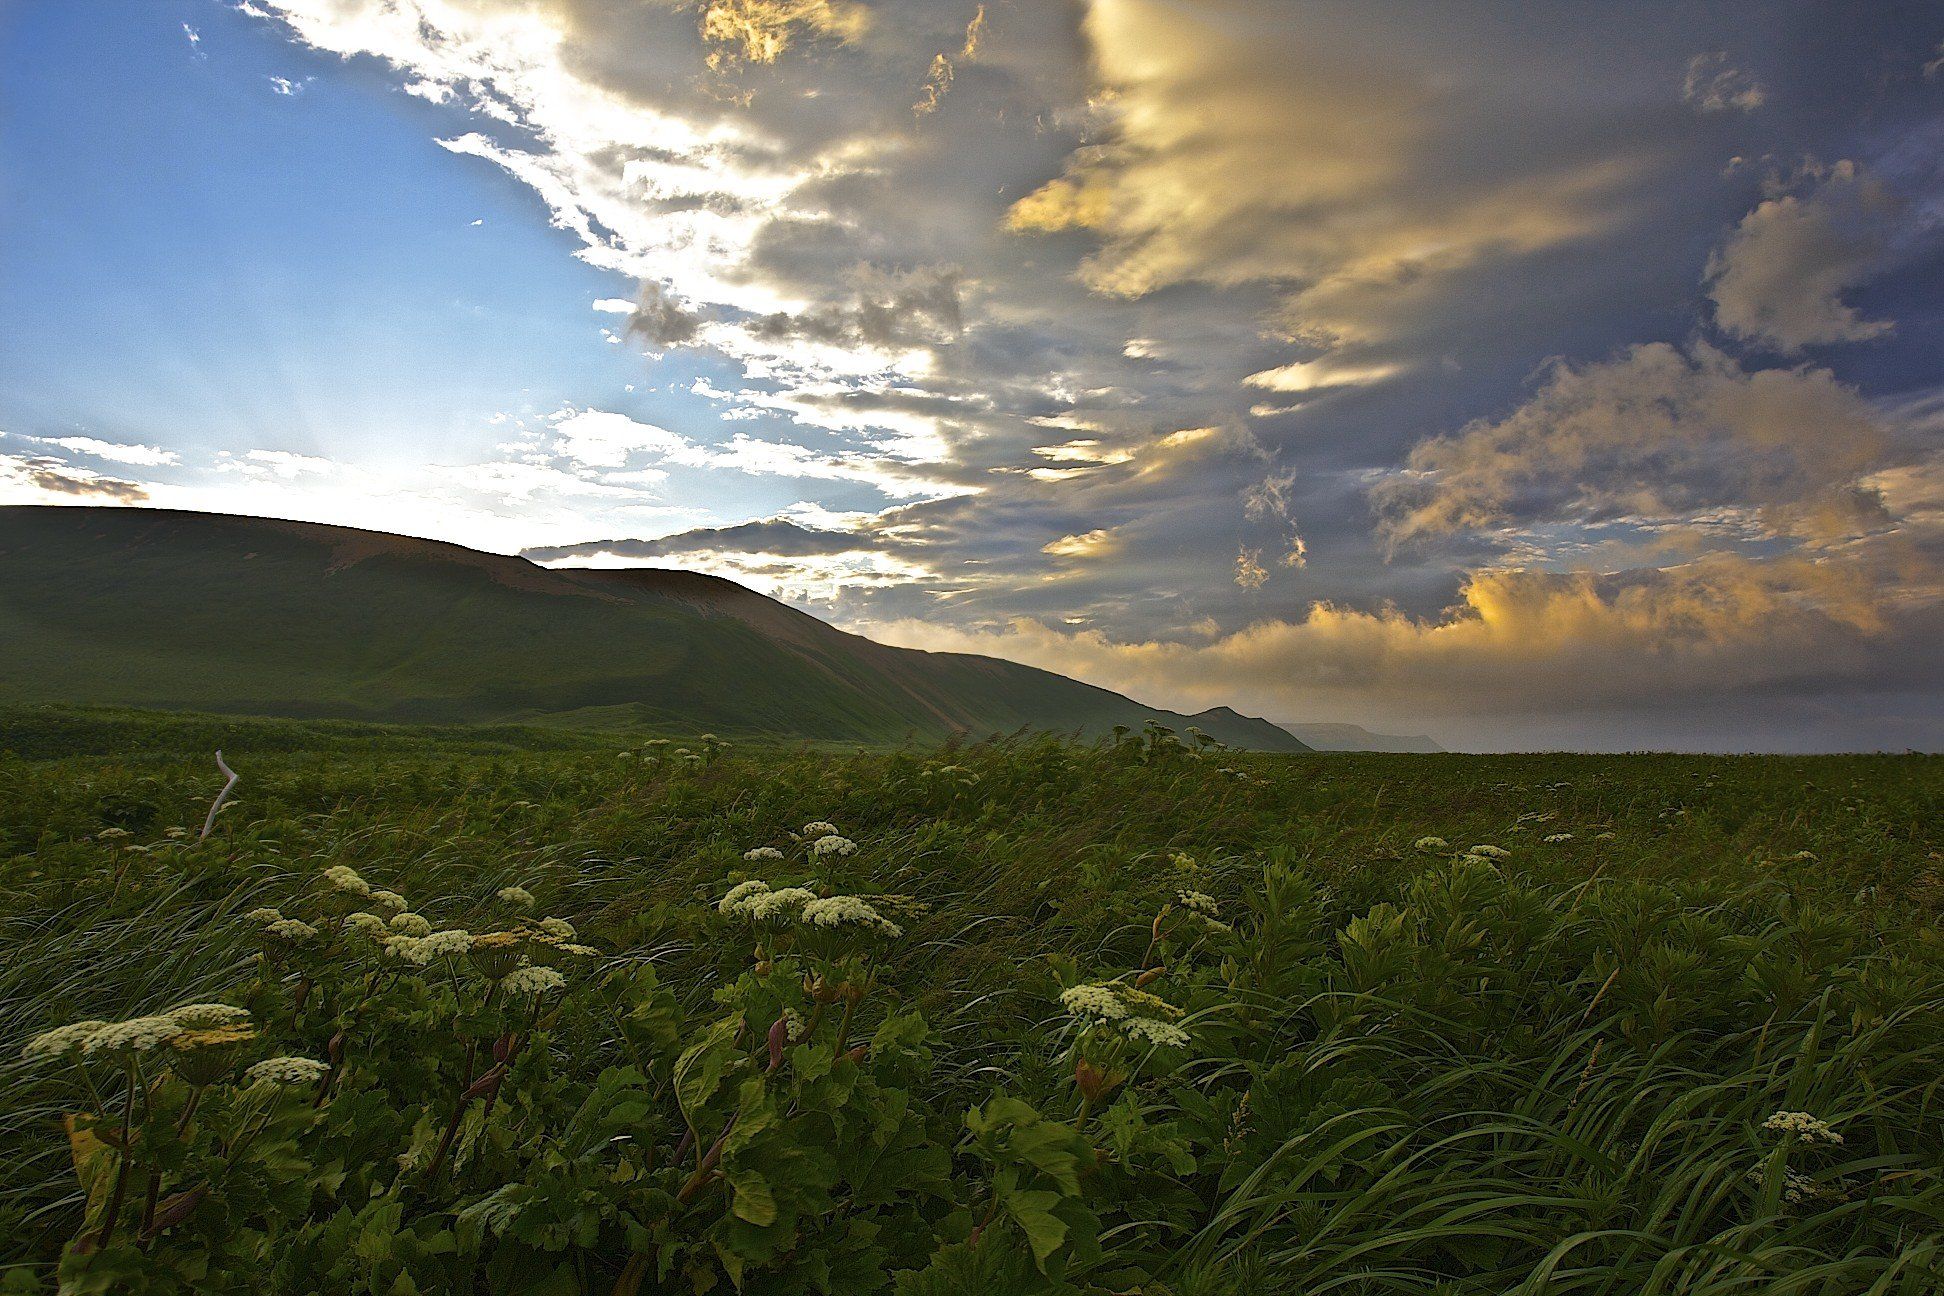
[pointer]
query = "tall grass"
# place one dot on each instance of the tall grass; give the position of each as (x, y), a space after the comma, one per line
(1412, 1070)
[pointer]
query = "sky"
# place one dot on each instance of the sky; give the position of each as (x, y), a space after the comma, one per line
(1528, 375)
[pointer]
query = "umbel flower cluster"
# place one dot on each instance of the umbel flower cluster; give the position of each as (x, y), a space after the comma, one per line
(1139, 1016)
(1803, 1127)
(756, 902)
(396, 935)
(778, 908)
(188, 1028)
(198, 1043)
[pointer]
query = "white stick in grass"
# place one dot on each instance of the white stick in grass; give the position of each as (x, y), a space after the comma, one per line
(221, 797)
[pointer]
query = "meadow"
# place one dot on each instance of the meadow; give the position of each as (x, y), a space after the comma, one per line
(496, 1011)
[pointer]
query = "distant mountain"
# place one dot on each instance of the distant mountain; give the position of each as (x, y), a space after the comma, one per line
(1349, 737)
(209, 612)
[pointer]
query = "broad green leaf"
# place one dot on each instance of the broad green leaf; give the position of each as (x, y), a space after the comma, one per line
(1044, 1230)
(753, 1200)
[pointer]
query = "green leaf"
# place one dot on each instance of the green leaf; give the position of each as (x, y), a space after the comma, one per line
(1044, 1230)
(753, 1200)
(699, 1071)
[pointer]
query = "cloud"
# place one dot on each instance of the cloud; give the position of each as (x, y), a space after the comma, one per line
(1656, 433)
(776, 556)
(1101, 542)
(1516, 643)
(1780, 278)
(603, 439)
(1714, 84)
(893, 309)
(114, 451)
(760, 31)
(661, 320)
(778, 536)
(1237, 146)
(286, 463)
(1320, 375)
(31, 479)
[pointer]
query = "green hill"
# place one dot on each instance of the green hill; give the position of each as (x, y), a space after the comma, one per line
(208, 612)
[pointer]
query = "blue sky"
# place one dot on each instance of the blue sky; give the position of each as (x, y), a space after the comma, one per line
(237, 243)
(1530, 375)
(186, 243)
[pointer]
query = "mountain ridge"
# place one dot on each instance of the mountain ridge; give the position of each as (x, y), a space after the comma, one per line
(222, 612)
(1337, 736)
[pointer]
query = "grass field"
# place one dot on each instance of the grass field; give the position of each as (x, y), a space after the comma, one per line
(1110, 1019)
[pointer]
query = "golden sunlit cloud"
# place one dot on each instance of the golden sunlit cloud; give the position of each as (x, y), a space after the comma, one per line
(1518, 641)
(1098, 543)
(759, 31)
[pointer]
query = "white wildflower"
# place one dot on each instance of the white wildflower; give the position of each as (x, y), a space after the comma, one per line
(740, 893)
(794, 1026)
(1489, 852)
(453, 940)
(1148, 1005)
(777, 906)
(409, 949)
(833, 845)
(389, 900)
(265, 915)
(411, 924)
(558, 928)
(366, 924)
(1199, 902)
(342, 877)
(763, 853)
(1098, 1002)
(290, 929)
(62, 1041)
(517, 896)
(1148, 1030)
(285, 1071)
(532, 980)
(1431, 844)
(818, 828)
(1801, 1125)
(136, 1035)
(421, 950)
(208, 1016)
(1807, 857)
(849, 911)
(114, 834)
(578, 951)
(1555, 838)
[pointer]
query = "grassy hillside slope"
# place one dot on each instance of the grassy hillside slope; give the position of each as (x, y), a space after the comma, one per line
(187, 611)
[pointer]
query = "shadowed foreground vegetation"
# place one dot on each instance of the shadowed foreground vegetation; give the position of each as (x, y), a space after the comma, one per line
(1129, 1018)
